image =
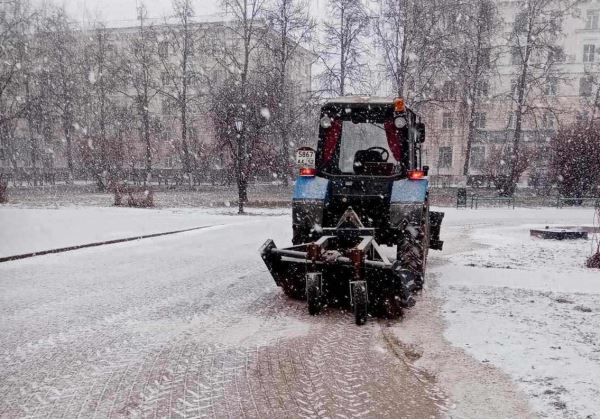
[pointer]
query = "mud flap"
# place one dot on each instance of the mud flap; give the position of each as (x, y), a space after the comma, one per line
(435, 224)
(314, 292)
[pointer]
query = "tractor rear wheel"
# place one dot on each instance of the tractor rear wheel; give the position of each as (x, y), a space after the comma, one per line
(294, 288)
(412, 249)
(313, 293)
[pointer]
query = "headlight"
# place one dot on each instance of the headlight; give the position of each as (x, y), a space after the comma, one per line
(400, 122)
(326, 122)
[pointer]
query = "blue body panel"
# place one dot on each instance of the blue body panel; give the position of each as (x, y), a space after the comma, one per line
(308, 187)
(409, 191)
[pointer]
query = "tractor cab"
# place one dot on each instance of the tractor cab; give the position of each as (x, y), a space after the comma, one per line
(365, 136)
(365, 146)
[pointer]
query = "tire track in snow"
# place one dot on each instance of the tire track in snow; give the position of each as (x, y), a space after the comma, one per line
(230, 345)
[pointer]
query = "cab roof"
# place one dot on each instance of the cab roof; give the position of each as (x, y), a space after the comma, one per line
(361, 100)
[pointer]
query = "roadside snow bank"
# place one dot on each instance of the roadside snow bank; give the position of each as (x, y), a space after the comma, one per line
(526, 305)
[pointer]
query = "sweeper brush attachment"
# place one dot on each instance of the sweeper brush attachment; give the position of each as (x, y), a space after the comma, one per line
(344, 266)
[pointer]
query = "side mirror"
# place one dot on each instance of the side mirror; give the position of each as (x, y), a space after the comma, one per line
(421, 131)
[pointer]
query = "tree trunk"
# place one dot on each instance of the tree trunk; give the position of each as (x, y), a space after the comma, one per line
(70, 166)
(470, 139)
(515, 158)
(148, 142)
(285, 155)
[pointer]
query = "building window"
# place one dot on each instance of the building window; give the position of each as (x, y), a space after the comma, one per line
(516, 57)
(170, 162)
(217, 75)
(449, 90)
(592, 17)
(164, 78)
(556, 55)
(513, 86)
(512, 121)
(447, 121)
(548, 120)
(588, 53)
(480, 120)
(192, 78)
(483, 88)
(520, 24)
(586, 85)
(166, 106)
(583, 116)
(48, 160)
(477, 157)
(550, 87)
(485, 57)
(445, 157)
(163, 48)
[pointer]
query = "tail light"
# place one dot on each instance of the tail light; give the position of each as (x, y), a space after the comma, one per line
(308, 171)
(416, 174)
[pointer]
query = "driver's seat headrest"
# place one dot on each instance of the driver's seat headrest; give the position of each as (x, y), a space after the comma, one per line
(363, 156)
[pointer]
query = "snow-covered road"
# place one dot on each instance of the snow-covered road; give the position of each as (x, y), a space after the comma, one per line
(192, 324)
(186, 325)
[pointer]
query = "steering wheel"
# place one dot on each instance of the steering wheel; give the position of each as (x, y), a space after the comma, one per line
(385, 155)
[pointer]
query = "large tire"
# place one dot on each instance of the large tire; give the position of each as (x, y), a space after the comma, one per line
(294, 288)
(413, 248)
(313, 293)
(391, 307)
(359, 300)
(313, 298)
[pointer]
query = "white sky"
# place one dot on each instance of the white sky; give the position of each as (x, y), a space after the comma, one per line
(123, 12)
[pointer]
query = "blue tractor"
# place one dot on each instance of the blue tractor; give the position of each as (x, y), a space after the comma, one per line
(362, 188)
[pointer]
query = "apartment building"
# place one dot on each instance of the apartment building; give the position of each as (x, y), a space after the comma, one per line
(560, 100)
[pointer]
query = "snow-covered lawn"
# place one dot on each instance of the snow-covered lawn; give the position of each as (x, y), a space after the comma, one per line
(25, 230)
(526, 305)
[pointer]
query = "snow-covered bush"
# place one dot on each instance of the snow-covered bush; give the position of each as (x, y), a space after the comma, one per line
(139, 197)
(575, 160)
(497, 167)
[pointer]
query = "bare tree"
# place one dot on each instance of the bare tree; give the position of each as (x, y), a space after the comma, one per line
(413, 38)
(575, 162)
(477, 61)
(290, 27)
(342, 47)
(536, 56)
(15, 25)
(139, 82)
(62, 52)
(178, 53)
(100, 64)
(238, 53)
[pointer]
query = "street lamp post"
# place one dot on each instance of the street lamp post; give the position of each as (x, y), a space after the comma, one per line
(239, 127)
